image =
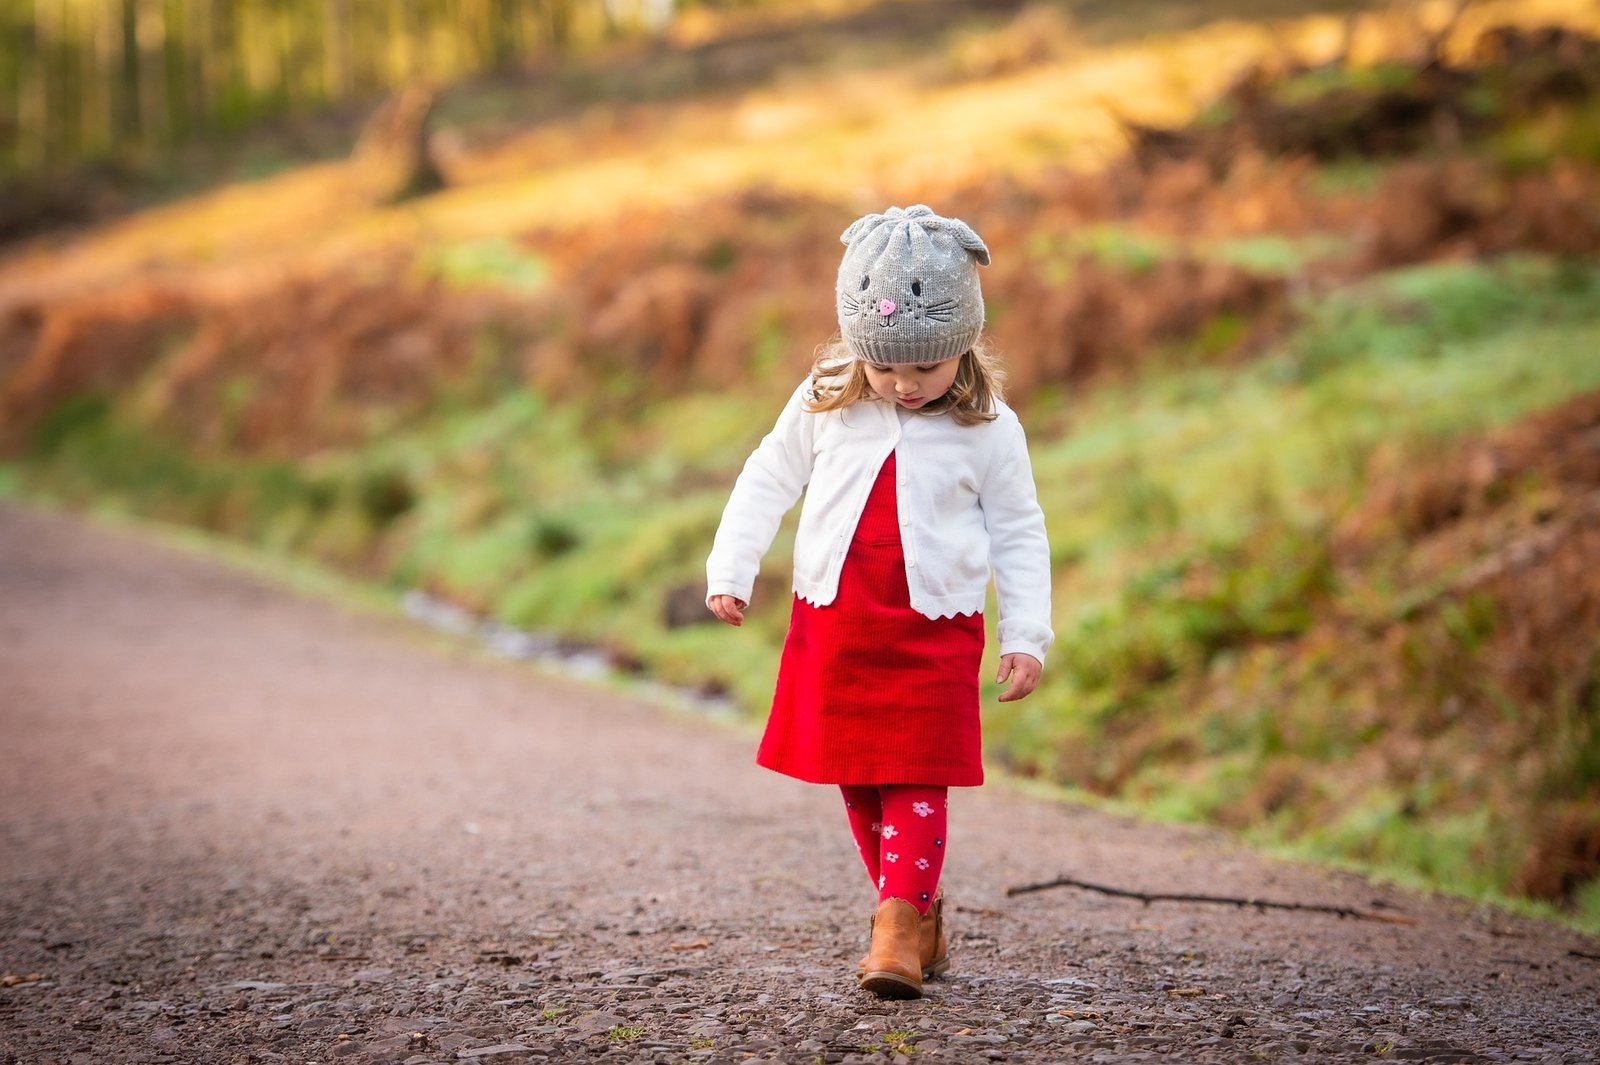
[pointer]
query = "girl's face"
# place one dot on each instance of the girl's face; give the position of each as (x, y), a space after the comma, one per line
(914, 385)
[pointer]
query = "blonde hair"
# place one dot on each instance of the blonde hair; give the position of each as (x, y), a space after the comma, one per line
(839, 379)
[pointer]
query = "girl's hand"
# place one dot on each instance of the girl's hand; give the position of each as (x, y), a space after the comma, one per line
(729, 609)
(1024, 673)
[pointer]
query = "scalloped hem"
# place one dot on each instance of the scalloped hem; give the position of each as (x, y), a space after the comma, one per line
(968, 776)
(953, 612)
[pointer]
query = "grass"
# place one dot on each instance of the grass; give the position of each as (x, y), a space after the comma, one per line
(1200, 462)
(900, 1041)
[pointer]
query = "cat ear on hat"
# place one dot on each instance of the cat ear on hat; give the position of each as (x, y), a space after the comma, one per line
(860, 227)
(969, 239)
(964, 235)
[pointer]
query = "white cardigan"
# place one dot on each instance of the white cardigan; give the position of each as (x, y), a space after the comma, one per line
(966, 500)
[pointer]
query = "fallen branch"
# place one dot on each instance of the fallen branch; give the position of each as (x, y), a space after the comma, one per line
(1227, 900)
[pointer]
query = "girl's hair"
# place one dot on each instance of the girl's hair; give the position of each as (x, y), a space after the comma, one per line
(839, 379)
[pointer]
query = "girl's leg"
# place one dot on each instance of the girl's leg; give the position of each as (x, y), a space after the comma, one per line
(900, 834)
(911, 839)
(911, 848)
(865, 810)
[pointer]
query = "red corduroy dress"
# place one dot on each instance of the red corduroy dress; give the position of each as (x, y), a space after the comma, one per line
(869, 691)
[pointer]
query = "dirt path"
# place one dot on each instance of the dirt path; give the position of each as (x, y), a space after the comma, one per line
(243, 827)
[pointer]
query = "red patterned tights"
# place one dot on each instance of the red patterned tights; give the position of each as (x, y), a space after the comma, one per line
(900, 832)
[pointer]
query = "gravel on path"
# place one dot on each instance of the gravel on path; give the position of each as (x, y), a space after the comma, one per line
(239, 826)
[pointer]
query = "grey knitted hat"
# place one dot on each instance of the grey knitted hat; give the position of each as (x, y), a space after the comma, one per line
(908, 286)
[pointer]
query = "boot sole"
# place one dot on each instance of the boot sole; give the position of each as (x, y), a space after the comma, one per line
(938, 968)
(891, 985)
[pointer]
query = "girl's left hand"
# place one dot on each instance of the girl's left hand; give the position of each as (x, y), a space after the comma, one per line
(1024, 673)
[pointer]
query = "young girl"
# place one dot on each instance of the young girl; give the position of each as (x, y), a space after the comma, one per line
(917, 482)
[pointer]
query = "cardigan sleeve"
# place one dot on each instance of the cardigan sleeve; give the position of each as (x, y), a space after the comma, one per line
(772, 479)
(1019, 549)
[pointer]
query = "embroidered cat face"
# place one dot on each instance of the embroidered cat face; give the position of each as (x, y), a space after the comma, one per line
(879, 304)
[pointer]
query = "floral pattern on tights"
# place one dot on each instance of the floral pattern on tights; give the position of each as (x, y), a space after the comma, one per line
(912, 819)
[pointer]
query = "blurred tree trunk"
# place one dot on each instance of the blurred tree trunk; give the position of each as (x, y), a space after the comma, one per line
(392, 157)
(558, 16)
(129, 124)
(103, 47)
(175, 68)
(505, 31)
(340, 75)
(32, 110)
(155, 113)
(29, 105)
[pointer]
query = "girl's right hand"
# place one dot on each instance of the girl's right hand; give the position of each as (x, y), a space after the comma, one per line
(728, 609)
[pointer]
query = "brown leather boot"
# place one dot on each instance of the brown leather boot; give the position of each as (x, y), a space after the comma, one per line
(893, 966)
(935, 952)
(935, 943)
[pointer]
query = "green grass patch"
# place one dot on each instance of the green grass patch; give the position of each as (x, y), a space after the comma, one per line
(494, 262)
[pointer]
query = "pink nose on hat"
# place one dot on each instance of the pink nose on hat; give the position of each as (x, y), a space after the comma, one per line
(886, 307)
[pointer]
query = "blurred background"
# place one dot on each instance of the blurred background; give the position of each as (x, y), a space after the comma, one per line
(486, 301)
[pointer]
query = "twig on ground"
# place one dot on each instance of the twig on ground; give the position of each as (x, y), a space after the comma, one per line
(1229, 900)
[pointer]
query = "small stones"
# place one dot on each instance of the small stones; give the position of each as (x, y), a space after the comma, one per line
(598, 1023)
(636, 975)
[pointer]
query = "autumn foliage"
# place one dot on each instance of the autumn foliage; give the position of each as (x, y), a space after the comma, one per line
(1499, 538)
